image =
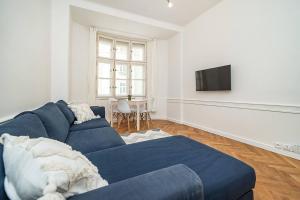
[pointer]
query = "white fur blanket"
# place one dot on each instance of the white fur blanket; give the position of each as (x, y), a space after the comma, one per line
(46, 169)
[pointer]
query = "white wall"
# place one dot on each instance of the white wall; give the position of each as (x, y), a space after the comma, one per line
(60, 49)
(24, 55)
(260, 39)
(174, 80)
(79, 63)
(160, 80)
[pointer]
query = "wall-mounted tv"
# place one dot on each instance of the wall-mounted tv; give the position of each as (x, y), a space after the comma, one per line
(214, 79)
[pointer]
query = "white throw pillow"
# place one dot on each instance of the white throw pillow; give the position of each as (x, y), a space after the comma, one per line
(82, 112)
(46, 169)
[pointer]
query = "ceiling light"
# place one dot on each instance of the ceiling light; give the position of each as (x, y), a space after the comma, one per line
(170, 4)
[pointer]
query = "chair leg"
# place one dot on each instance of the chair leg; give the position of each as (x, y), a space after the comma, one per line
(115, 115)
(120, 121)
(148, 113)
(112, 120)
(142, 117)
(147, 119)
(135, 120)
(128, 121)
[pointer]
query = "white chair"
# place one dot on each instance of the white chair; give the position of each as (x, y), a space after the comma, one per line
(124, 112)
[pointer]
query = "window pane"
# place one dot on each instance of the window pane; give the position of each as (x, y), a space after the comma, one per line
(104, 70)
(121, 71)
(138, 52)
(104, 88)
(121, 88)
(137, 72)
(138, 88)
(105, 48)
(122, 50)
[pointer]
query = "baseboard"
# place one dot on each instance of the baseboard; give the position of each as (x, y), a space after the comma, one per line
(158, 118)
(174, 120)
(238, 138)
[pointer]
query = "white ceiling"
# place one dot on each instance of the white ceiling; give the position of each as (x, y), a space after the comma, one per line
(182, 13)
(116, 25)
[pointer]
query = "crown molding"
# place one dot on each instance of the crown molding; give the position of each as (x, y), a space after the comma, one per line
(125, 15)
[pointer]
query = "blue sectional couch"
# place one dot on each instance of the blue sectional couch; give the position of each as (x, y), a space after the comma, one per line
(174, 168)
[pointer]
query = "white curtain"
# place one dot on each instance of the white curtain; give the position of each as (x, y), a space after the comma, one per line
(92, 67)
(152, 74)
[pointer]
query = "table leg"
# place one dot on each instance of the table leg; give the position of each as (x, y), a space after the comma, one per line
(111, 115)
(138, 117)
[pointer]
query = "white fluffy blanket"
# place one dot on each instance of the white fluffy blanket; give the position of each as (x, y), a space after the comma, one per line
(46, 169)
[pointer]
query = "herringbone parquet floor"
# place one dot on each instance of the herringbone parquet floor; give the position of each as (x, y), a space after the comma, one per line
(278, 177)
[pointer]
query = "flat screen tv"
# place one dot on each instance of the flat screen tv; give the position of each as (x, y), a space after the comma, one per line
(214, 79)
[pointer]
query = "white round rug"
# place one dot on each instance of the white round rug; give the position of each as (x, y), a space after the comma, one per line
(140, 137)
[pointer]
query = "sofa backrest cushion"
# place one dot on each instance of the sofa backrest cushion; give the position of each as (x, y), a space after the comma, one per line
(63, 106)
(56, 124)
(24, 124)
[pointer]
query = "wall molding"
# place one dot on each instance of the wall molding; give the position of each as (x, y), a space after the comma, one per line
(174, 100)
(281, 108)
(240, 139)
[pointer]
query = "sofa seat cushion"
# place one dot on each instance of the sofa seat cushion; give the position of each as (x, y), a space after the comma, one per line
(55, 122)
(223, 177)
(92, 140)
(91, 124)
(63, 106)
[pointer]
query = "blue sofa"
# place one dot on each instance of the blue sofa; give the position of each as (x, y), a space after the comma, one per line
(174, 168)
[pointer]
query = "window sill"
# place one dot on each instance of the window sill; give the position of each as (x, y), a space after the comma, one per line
(125, 97)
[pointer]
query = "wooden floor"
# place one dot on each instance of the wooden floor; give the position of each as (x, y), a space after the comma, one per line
(277, 177)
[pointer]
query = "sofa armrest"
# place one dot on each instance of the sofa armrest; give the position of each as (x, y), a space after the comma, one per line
(97, 110)
(173, 183)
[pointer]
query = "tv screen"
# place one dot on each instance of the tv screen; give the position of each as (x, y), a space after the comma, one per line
(214, 79)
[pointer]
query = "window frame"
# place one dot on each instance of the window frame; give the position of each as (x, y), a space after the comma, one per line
(131, 42)
(99, 77)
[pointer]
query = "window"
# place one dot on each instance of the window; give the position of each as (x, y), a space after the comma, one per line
(121, 67)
